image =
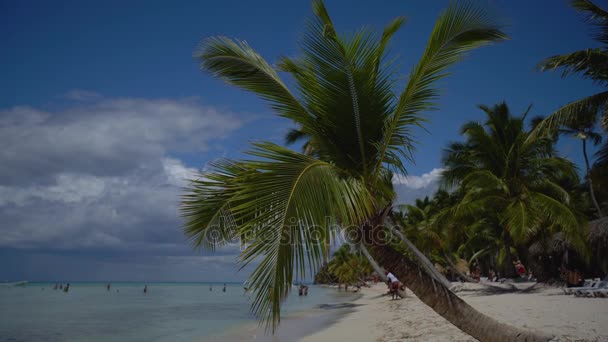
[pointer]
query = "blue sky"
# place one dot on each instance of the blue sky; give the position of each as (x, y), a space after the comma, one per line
(104, 112)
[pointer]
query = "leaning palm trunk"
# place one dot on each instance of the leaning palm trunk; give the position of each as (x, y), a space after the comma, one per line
(377, 268)
(446, 303)
(457, 271)
(426, 263)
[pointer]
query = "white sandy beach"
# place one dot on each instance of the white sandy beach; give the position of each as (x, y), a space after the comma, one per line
(378, 318)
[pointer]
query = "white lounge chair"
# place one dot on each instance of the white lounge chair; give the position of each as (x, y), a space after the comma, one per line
(589, 283)
(589, 292)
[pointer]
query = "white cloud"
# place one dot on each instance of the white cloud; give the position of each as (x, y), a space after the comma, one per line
(102, 175)
(418, 182)
(109, 137)
(411, 187)
(177, 173)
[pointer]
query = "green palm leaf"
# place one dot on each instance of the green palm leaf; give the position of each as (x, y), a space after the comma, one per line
(459, 29)
(237, 63)
(286, 211)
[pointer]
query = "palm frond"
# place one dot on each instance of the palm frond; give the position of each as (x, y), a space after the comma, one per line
(287, 211)
(596, 16)
(206, 206)
(570, 112)
(459, 29)
(559, 214)
(237, 63)
(591, 63)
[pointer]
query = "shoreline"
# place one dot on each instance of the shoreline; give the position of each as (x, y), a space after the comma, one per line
(296, 325)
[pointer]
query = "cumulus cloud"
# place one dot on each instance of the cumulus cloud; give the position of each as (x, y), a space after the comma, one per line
(418, 182)
(101, 176)
(106, 138)
(411, 187)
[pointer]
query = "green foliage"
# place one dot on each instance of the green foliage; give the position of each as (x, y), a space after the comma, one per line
(357, 128)
(505, 173)
(348, 267)
(590, 63)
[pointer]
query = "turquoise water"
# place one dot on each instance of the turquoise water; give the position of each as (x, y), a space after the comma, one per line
(168, 312)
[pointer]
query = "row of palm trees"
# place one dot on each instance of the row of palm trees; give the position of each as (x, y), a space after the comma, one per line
(510, 192)
(356, 128)
(346, 267)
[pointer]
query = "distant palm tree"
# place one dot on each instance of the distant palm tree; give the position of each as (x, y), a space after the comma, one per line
(340, 266)
(511, 179)
(582, 128)
(287, 206)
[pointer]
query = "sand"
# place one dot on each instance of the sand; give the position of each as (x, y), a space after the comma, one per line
(545, 309)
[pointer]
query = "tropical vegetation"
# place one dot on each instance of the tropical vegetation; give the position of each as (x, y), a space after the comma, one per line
(507, 192)
(581, 115)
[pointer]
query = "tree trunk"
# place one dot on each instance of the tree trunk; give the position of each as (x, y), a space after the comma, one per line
(457, 271)
(508, 268)
(591, 192)
(377, 268)
(446, 303)
(423, 259)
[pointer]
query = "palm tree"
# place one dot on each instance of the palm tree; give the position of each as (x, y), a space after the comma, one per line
(591, 63)
(511, 181)
(340, 266)
(582, 128)
(349, 267)
(286, 206)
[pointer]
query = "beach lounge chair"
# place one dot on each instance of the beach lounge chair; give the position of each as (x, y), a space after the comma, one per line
(600, 293)
(589, 292)
(586, 285)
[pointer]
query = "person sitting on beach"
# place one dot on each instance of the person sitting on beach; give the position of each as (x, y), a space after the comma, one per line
(520, 269)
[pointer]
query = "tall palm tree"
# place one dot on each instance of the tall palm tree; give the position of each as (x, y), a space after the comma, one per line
(511, 180)
(286, 206)
(591, 63)
(583, 128)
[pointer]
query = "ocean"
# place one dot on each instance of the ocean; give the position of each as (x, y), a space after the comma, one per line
(168, 312)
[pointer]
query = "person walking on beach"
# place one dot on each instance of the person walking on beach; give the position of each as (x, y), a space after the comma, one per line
(393, 285)
(67, 288)
(108, 287)
(146, 289)
(224, 289)
(210, 288)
